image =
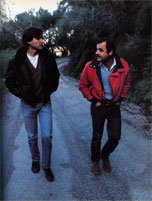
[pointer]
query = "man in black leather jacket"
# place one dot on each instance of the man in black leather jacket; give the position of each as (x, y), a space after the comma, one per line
(32, 76)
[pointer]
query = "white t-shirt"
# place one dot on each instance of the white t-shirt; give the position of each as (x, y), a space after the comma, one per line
(33, 60)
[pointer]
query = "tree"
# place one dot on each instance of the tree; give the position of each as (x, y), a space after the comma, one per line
(45, 18)
(2, 13)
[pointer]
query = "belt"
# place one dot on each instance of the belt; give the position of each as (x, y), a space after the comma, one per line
(107, 102)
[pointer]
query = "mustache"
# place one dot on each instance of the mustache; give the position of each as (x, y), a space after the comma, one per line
(98, 56)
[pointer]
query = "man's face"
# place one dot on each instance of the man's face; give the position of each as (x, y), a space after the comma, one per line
(37, 43)
(101, 52)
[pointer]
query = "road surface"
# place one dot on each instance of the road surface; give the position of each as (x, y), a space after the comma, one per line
(72, 129)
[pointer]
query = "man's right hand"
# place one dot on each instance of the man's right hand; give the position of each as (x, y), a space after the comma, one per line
(98, 104)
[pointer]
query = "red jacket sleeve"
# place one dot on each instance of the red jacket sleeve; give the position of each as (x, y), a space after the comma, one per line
(85, 83)
(127, 82)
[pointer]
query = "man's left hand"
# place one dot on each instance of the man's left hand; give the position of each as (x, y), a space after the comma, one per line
(117, 103)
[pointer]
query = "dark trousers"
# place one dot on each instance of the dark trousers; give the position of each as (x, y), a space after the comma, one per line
(99, 115)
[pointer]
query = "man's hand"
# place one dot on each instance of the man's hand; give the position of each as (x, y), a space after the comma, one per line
(117, 103)
(98, 104)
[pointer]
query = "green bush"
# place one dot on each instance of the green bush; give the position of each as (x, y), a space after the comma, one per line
(140, 92)
(4, 58)
(3, 88)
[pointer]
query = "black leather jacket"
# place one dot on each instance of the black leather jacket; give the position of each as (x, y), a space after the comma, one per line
(19, 79)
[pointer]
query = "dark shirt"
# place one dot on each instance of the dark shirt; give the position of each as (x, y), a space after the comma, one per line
(36, 78)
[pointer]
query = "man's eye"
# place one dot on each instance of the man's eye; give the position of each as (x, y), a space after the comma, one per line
(101, 50)
(39, 37)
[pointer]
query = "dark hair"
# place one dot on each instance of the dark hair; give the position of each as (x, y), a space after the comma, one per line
(109, 44)
(30, 33)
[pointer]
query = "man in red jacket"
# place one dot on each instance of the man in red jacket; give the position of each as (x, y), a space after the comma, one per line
(105, 82)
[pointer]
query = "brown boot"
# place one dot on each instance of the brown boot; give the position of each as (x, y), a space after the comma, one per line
(95, 168)
(48, 174)
(106, 165)
(35, 167)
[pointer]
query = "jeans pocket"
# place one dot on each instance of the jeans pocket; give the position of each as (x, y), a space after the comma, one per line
(24, 104)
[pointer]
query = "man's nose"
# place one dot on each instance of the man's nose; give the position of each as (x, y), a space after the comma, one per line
(97, 51)
(41, 40)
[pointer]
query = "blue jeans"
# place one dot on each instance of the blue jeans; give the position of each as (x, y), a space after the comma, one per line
(30, 115)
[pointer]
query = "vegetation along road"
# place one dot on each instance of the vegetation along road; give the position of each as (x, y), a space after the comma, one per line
(131, 162)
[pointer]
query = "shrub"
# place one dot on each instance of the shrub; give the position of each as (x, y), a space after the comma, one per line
(3, 88)
(4, 58)
(140, 92)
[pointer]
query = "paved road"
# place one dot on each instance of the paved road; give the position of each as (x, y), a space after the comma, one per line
(131, 162)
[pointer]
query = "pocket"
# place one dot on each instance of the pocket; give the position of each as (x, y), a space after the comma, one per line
(27, 93)
(24, 104)
(98, 93)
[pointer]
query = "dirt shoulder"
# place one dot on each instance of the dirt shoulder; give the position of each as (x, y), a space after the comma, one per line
(133, 115)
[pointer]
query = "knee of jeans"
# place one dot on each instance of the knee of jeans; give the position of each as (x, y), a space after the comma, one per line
(47, 133)
(47, 139)
(32, 137)
(114, 141)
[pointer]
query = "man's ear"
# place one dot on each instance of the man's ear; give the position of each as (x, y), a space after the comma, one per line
(29, 42)
(111, 53)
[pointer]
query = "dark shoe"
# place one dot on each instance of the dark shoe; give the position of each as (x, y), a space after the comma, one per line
(35, 167)
(48, 174)
(106, 165)
(95, 168)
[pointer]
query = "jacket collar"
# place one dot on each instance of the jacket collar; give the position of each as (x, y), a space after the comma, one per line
(95, 64)
(21, 54)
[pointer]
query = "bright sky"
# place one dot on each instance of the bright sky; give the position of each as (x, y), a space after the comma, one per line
(14, 7)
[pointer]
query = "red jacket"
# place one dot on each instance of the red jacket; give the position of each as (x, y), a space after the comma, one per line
(91, 84)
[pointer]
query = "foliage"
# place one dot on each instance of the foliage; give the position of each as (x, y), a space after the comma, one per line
(140, 93)
(4, 58)
(45, 19)
(3, 88)
(2, 12)
(8, 36)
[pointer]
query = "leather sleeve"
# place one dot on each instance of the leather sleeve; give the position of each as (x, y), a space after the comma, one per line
(11, 80)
